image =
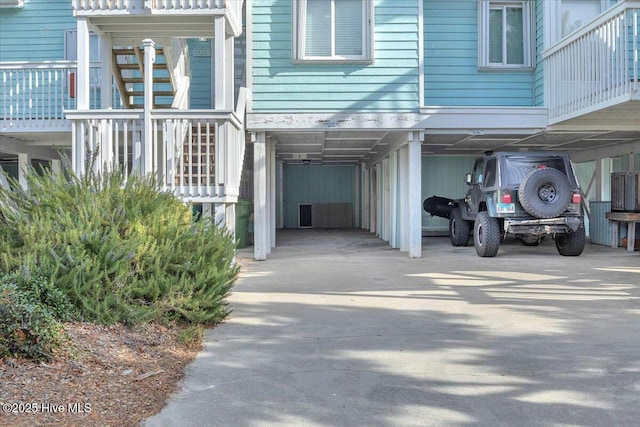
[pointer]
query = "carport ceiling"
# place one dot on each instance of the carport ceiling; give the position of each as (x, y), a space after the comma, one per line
(348, 147)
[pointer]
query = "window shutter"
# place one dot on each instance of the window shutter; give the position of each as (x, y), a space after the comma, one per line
(348, 27)
(318, 28)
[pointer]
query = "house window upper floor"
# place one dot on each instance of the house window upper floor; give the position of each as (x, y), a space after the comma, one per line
(506, 34)
(333, 31)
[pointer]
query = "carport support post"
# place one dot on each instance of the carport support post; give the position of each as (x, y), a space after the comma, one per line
(403, 196)
(260, 215)
(415, 194)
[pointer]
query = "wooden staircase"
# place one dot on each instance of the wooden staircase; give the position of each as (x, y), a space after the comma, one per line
(197, 162)
(128, 69)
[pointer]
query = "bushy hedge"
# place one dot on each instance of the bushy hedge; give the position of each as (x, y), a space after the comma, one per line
(119, 249)
(30, 310)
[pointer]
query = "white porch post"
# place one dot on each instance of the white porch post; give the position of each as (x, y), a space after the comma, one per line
(415, 194)
(82, 77)
(271, 193)
(357, 206)
(366, 186)
(280, 191)
(220, 214)
(219, 64)
(403, 196)
(106, 85)
(260, 215)
(24, 162)
(393, 200)
(386, 210)
(230, 214)
(149, 59)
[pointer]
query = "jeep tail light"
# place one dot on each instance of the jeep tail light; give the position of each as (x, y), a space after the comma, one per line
(506, 198)
(576, 198)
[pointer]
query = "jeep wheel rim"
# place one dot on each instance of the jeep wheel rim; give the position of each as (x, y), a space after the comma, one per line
(547, 193)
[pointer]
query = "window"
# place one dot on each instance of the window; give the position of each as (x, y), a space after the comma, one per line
(505, 34)
(333, 31)
(71, 47)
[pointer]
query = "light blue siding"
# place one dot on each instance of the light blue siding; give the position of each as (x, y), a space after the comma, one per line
(452, 77)
(309, 184)
(443, 176)
(389, 84)
(200, 74)
(538, 82)
(36, 31)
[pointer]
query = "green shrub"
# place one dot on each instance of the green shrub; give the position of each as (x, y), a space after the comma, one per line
(28, 309)
(119, 249)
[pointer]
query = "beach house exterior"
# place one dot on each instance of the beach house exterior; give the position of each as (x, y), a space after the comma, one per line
(324, 113)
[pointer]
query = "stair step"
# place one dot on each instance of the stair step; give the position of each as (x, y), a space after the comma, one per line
(140, 80)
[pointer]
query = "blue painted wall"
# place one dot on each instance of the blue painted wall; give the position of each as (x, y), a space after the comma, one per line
(389, 84)
(200, 56)
(451, 61)
(443, 176)
(36, 31)
(305, 184)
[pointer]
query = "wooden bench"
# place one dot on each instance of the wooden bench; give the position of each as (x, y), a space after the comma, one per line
(631, 218)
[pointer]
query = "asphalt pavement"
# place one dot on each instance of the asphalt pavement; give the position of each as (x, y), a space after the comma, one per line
(338, 329)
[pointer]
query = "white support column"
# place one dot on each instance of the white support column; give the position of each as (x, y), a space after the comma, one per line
(403, 196)
(24, 163)
(207, 210)
(280, 190)
(357, 207)
(149, 60)
(230, 216)
(366, 198)
(219, 63)
(106, 84)
(373, 197)
(415, 194)
(385, 226)
(229, 73)
(271, 159)
(220, 214)
(393, 200)
(260, 215)
(82, 78)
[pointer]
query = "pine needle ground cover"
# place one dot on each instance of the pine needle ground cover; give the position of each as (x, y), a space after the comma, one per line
(119, 249)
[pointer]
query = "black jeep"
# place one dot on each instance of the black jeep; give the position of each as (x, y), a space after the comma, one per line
(526, 194)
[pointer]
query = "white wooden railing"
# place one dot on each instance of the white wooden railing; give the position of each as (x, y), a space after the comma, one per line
(35, 94)
(594, 67)
(156, 5)
(196, 154)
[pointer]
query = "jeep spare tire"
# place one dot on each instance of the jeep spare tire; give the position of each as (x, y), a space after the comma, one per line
(545, 192)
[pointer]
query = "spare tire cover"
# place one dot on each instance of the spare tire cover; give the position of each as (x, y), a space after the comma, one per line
(545, 192)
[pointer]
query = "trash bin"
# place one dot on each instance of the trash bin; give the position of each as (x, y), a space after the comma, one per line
(243, 212)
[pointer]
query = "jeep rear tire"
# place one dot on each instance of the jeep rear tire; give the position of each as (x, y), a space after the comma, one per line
(459, 229)
(571, 244)
(545, 193)
(486, 235)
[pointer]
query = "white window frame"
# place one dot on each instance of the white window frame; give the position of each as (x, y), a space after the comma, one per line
(299, 35)
(528, 31)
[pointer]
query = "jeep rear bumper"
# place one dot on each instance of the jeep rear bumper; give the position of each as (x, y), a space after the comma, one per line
(539, 227)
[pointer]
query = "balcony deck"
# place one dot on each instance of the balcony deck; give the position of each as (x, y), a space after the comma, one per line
(591, 76)
(159, 18)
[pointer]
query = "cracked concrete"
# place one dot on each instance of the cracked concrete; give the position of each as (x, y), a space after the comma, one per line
(338, 329)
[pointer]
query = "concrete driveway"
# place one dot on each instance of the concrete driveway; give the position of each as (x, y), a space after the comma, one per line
(337, 329)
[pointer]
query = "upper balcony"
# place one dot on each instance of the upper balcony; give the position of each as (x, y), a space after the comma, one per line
(591, 76)
(162, 13)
